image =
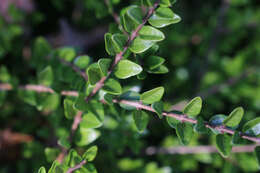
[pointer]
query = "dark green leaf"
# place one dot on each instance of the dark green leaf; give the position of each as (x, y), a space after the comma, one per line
(217, 120)
(257, 153)
(90, 154)
(162, 69)
(64, 142)
(104, 65)
(112, 86)
(132, 17)
(172, 122)
(114, 43)
(126, 69)
(193, 108)
(69, 109)
(184, 132)
(236, 138)
(223, 144)
(158, 107)
(234, 117)
(131, 96)
(109, 99)
(153, 62)
(94, 73)
(152, 96)
(200, 126)
(141, 119)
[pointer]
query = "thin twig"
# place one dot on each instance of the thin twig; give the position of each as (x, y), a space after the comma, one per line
(78, 166)
(119, 56)
(195, 149)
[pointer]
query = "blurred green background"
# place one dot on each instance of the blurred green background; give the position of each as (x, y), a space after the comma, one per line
(213, 53)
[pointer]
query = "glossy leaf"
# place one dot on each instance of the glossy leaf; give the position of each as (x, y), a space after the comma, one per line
(217, 120)
(158, 107)
(4, 74)
(94, 73)
(162, 69)
(163, 17)
(114, 43)
(223, 144)
(234, 117)
(148, 36)
(90, 154)
(45, 77)
(141, 119)
(82, 61)
(184, 132)
(69, 109)
(42, 170)
(85, 136)
(132, 17)
(193, 108)
(104, 65)
(152, 96)
(90, 120)
(126, 69)
(112, 86)
(252, 127)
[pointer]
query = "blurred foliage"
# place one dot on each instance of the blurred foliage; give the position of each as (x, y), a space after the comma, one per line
(216, 42)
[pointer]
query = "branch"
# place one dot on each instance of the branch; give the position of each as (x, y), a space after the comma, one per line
(78, 166)
(195, 149)
(119, 56)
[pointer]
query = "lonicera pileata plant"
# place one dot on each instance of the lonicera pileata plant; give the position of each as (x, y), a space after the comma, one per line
(99, 95)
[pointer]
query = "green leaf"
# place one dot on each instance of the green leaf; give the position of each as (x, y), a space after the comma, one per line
(172, 122)
(53, 167)
(152, 96)
(236, 138)
(80, 103)
(86, 136)
(64, 142)
(73, 158)
(109, 99)
(104, 65)
(126, 69)
(162, 69)
(217, 120)
(51, 154)
(88, 168)
(163, 17)
(90, 154)
(82, 61)
(90, 120)
(167, 3)
(158, 107)
(234, 117)
(4, 75)
(223, 144)
(141, 119)
(45, 77)
(147, 37)
(257, 153)
(200, 126)
(69, 109)
(153, 62)
(252, 127)
(132, 17)
(42, 170)
(47, 101)
(94, 73)
(67, 53)
(112, 86)
(193, 108)
(184, 132)
(114, 43)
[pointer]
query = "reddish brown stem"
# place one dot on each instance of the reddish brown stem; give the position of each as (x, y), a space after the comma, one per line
(119, 56)
(78, 166)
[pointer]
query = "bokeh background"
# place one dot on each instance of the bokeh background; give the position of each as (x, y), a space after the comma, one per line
(214, 52)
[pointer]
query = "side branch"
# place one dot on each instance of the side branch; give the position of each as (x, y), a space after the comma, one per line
(78, 166)
(119, 56)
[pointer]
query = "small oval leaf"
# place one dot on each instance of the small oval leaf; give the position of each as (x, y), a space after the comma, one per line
(234, 117)
(184, 132)
(223, 144)
(152, 96)
(126, 69)
(141, 119)
(193, 108)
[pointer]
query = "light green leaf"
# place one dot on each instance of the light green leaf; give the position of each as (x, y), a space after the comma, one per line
(152, 96)
(51, 154)
(223, 144)
(141, 119)
(69, 109)
(64, 142)
(104, 65)
(163, 17)
(45, 77)
(193, 108)
(147, 37)
(67, 53)
(86, 136)
(94, 73)
(112, 86)
(90, 154)
(252, 127)
(158, 107)
(126, 69)
(172, 122)
(53, 167)
(90, 120)
(42, 170)
(47, 101)
(153, 62)
(4, 75)
(82, 61)
(184, 132)
(234, 117)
